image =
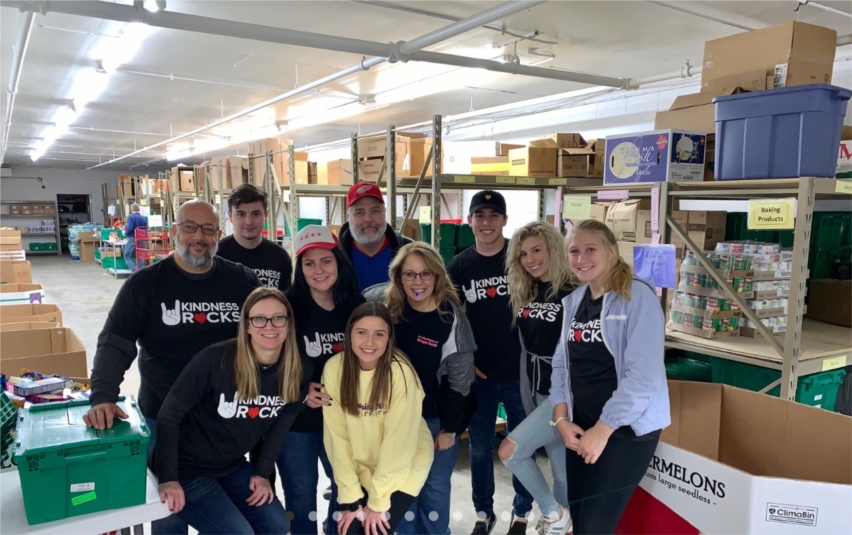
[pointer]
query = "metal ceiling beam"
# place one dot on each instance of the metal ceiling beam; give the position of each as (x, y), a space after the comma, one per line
(25, 29)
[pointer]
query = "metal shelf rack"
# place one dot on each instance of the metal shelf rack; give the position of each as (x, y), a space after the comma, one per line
(54, 216)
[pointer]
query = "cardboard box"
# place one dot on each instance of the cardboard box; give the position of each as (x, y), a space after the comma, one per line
(126, 187)
(30, 312)
(376, 146)
(625, 251)
(793, 53)
(49, 209)
(710, 159)
(280, 161)
(337, 172)
(599, 160)
(656, 156)
(697, 112)
(184, 179)
(49, 351)
(533, 161)
(502, 149)
(681, 217)
(706, 229)
(830, 301)
(21, 293)
(10, 240)
(622, 218)
(312, 172)
(28, 326)
(490, 165)
(564, 141)
(574, 163)
(418, 152)
(844, 160)
(736, 461)
(368, 170)
(237, 170)
(12, 272)
(15, 209)
(643, 226)
(87, 251)
(411, 229)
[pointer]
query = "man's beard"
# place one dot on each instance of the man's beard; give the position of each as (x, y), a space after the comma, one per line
(363, 239)
(192, 260)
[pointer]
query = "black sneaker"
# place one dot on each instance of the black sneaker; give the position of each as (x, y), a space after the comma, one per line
(326, 494)
(518, 527)
(484, 527)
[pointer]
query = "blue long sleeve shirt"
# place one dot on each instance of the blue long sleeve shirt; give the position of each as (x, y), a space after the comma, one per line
(135, 221)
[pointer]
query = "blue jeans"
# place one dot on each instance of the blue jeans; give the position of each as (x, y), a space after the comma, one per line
(297, 466)
(130, 255)
(481, 432)
(173, 524)
(532, 434)
(435, 495)
(218, 505)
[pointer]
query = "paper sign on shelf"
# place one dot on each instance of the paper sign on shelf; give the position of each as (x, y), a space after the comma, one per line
(655, 238)
(526, 180)
(843, 186)
(657, 263)
(505, 179)
(155, 221)
(834, 363)
(111, 210)
(425, 214)
(576, 206)
(655, 209)
(771, 214)
(613, 194)
(459, 179)
(558, 181)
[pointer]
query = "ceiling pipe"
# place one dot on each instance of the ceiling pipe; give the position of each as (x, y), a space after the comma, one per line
(25, 29)
(825, 8)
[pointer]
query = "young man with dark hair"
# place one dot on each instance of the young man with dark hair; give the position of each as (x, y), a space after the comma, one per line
(247, 209)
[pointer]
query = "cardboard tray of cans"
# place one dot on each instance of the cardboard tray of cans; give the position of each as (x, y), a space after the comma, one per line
(711, 292)
(706, 313)
(734, 273)
(703, 333)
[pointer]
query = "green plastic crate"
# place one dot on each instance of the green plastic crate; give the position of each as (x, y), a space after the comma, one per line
(36, 247)
(301, 223)
(466, 238)
(448, 253)
(684, 369)
(118, 263)
(736, 228)
(50, 246)
(105, 232)
(449, 233)
(822, 260)
(829, 229)
(68, 469)
(817, 390)
(501, 411)
(7, 426)
(697, 356)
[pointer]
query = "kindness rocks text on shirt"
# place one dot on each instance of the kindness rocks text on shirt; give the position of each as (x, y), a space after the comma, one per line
(200, 313)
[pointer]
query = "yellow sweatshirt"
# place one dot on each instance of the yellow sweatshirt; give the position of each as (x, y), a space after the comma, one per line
(383, 451)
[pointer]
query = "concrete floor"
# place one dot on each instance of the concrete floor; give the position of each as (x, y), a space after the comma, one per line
(85, 293)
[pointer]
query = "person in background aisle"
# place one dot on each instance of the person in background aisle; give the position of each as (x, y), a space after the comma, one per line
(367, 239)
(378, 443)
(539, 279)
(134, 221)
(247, 210)
(323, 295)
(609, 392)
(433, 331)
(229, 396)
(479, 274)
(172, 309)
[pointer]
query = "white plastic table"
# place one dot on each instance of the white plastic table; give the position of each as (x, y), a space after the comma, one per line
(13, 518)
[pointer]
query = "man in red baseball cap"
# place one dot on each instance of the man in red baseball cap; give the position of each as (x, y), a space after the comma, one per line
(366, 238)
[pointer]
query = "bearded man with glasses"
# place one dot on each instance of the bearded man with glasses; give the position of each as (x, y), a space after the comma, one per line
(173, 309)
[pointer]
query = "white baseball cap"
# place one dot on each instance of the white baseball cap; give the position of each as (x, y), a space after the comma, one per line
(315, 237)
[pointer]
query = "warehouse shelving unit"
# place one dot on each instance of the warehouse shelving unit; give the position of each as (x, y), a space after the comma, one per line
(14, 220)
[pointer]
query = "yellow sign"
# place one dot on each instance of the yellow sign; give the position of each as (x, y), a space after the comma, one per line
(771, 214)
(143, 202)
(525, 180)
(558, 181)
(843, 186)
(576, 207)
(505, 179)
(425, 214)
(464, 179)
(833, 364)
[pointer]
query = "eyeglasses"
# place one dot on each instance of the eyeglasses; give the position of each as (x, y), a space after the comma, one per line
(259, 322)
(411, 275)
(190, 228)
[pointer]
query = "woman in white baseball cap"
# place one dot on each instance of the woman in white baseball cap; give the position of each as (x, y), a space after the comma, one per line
(323, 295)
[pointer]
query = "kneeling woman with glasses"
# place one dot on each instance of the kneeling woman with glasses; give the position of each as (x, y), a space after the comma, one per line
(230, 396)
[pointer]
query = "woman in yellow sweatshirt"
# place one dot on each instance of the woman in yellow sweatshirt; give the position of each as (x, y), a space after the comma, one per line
(377, 441)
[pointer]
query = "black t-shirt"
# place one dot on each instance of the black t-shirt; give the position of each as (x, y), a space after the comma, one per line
(421, 336)
(269, 261)
(173, 315)
(481, 283)
(540, 323)
(593, 375)
(213, 429)
(320, 336)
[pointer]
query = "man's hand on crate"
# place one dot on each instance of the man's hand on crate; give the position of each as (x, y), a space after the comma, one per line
(171, 494)
(102, 415)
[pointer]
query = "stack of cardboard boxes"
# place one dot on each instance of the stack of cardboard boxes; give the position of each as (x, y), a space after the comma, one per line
(279, 151)
(565, 155)
(410, 155)
(32, 209)
(497, 165)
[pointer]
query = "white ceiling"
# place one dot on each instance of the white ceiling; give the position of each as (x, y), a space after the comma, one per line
(215, 76)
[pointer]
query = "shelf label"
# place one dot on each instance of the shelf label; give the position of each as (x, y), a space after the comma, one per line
(82, 487)
(655, 209)
(83, 498)
(425, 214)
(464, 179)
(834, 363)
(525, 180)
(771, 214)
(558, 181)
(505, 179)
(843, 186)
(576, 207)
(613, 194)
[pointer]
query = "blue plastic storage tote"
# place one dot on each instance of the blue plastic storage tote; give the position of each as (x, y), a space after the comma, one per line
(780, 133)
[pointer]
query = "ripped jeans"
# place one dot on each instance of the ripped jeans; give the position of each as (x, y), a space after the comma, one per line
(534, 432)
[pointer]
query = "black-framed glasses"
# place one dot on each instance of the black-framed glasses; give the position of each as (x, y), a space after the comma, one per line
(412, 275)
(189, 227)
(259, 322)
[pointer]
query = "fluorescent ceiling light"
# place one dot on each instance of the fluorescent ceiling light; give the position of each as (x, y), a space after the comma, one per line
(124, 47)
(88, 84)
(65, 117)
(172, 156)
(152, 5)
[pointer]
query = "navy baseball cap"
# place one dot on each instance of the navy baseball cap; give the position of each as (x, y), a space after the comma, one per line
(488, 199)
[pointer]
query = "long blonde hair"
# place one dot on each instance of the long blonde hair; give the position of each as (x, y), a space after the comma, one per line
(245, 364)
(381, 386)
(619, 273)
(523, 287)
(444, 290)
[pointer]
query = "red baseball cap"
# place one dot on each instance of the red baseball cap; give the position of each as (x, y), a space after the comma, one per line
(363, 189)
(315, 237)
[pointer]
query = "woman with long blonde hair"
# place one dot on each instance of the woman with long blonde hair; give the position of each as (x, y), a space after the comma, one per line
(377, 441)
(228, 397)
(435, 334)
(609, 394)
(539, 280)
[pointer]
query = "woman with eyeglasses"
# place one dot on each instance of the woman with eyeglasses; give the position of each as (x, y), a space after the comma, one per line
(323, 295)
(231, 395)
(434, 333)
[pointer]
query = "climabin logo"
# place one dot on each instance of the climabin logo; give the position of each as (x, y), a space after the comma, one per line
(792, 514)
